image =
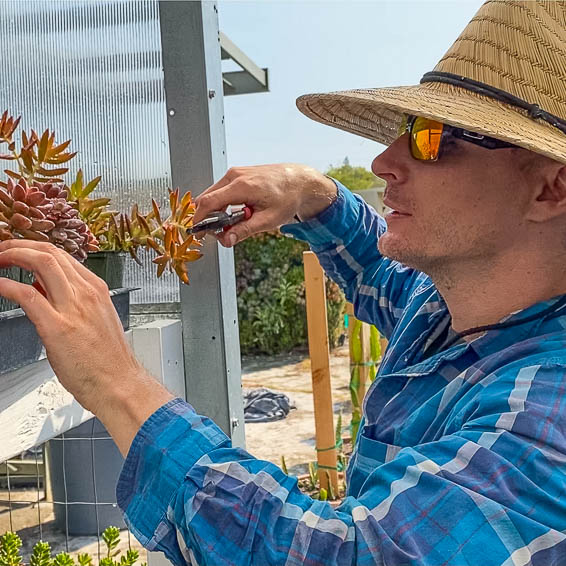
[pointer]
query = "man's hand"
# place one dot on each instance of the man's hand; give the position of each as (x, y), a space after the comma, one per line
(83, 337)
(276, 193)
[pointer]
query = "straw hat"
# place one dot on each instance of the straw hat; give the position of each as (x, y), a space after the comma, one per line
(505, 77)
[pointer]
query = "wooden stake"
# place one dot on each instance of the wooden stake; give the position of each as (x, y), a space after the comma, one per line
(320, 368)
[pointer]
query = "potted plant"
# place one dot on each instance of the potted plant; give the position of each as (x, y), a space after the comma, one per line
(36, 203)
(116, 232)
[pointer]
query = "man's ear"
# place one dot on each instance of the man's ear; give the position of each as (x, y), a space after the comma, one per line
(550, 201)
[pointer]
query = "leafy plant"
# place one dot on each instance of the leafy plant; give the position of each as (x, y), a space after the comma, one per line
(355, 178)
(313, 477)
(331, 494)
(284, 465)
(10, 545)
(37, 204)
(271, 295)
(41, 555)
(357, 362)
(338, 432)
(63, 559)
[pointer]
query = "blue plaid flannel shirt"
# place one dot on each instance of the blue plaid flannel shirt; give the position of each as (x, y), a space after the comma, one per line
(461, 459)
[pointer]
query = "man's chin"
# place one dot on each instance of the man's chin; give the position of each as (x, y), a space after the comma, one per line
(404, 255)
(393, 249)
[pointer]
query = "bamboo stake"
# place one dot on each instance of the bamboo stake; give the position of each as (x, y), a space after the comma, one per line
(320, 369)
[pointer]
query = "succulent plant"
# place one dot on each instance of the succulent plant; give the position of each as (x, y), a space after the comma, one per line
(36, 204)
(10, 553)
(34, 201)
(41, 212)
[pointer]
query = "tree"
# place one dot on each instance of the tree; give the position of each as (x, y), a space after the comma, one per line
(355, 178)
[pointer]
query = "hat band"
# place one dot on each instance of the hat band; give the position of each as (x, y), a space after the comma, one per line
(534, 110)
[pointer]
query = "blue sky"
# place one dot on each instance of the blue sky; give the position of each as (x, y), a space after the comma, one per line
(320, 46)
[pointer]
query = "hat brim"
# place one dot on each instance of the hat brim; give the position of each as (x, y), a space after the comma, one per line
(377, 114)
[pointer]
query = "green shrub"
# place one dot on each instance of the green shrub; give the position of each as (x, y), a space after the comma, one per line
(270, 284)
(10, 545)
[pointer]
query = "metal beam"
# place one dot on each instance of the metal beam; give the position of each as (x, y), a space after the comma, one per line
(194, 99)
(250, 79)
(241, 82)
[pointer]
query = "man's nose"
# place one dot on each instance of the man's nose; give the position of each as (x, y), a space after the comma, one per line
(392, 163)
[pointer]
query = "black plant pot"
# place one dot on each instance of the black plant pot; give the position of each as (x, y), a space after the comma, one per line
(109, 266)
(19, 343)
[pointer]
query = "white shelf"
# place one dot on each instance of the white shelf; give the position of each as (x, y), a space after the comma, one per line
(34, 406)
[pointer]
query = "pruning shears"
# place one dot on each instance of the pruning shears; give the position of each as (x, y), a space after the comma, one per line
(219, 221)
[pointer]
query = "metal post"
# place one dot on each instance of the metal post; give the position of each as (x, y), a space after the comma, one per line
(195, 107)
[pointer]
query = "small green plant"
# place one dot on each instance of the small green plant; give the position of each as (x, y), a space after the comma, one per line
(284, 465)
(357, 362)
(313, 478)
(10, 545)
(331, 494)
(338, 434)
(41, 555)
(63, 559)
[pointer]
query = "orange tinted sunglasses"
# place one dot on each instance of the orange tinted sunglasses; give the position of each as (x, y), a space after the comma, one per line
(426, 137)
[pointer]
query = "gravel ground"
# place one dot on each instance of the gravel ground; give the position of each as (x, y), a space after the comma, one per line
(293, 437)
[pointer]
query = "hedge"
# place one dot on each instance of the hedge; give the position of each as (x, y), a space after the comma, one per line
(270, 284)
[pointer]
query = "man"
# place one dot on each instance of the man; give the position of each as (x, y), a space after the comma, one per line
(461, 458)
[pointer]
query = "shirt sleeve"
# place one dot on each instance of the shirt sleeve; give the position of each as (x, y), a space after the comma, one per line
(466, 498)
(344, 237)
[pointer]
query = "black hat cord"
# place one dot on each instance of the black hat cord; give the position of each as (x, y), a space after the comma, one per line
(549, 310)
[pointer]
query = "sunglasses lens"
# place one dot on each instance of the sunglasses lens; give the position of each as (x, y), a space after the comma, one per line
(425, 139)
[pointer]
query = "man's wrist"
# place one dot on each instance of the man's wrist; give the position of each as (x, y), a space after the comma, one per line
(317, 198)
(127, 403)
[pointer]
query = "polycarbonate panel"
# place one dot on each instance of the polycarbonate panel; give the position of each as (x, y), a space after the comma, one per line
(92, 71)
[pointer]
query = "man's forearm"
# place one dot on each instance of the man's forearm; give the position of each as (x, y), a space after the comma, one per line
(317, 197)
(126, 404)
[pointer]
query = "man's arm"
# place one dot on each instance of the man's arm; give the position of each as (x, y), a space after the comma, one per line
(83, 337)
(340, 228)
(186, 491)
(479, 495)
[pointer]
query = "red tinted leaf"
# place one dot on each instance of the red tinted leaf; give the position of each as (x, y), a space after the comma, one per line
(42, 150)
(52, 172)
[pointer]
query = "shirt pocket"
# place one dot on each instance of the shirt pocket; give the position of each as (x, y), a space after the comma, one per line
(369, 455)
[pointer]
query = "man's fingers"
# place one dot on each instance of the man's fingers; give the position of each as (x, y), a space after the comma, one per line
(76, 273)
(34, 304)
(53, 268)
(219, 198)
(202, 200)
(47, 269)
(259, 222)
